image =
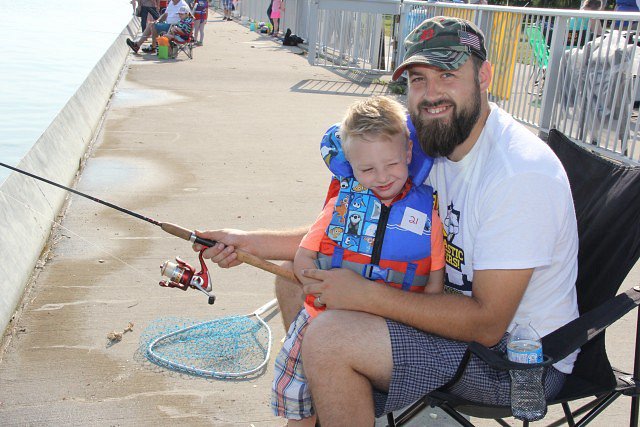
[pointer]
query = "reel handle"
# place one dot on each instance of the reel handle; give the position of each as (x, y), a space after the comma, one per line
(243, 256)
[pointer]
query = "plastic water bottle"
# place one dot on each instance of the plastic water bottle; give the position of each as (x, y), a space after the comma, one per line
(527, 392)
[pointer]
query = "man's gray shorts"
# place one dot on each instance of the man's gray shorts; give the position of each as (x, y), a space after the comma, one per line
(424, 362)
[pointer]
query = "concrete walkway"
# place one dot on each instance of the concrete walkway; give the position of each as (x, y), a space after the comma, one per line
(228, 139)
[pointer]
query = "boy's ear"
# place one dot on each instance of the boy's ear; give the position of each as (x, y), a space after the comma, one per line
(409, 150)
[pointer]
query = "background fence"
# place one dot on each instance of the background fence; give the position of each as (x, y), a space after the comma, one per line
(575, 71)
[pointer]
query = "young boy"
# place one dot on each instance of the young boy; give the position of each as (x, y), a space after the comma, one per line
(181, 31)
(380, 224)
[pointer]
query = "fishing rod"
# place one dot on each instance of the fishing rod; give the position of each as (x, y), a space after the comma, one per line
(181, 275)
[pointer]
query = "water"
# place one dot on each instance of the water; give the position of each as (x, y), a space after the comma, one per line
(525, 351)
(527, 393)
(48, 50)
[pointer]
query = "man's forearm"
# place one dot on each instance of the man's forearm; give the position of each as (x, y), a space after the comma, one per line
(457, 317)
(484, 317)
(276, 245)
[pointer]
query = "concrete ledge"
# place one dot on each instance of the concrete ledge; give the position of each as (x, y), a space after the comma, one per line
(28, 206)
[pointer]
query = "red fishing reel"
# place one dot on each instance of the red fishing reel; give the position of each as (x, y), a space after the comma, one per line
(183, 276)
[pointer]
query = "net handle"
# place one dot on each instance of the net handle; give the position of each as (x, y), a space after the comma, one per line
(268, 306)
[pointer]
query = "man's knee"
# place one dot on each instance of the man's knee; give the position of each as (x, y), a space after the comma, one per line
(339, 339)
(319, 344)
(326, 333)
(160, 27)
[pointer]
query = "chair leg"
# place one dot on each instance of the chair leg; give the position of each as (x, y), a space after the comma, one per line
(568, 415)
(601, 406)
(456, 415)
(633, 421)
(408, 413)
(635, 400)
(391, 422)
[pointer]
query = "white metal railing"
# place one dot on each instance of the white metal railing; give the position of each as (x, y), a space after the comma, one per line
(576, 71)
(295, 15)
(571, 70)
(353, 34)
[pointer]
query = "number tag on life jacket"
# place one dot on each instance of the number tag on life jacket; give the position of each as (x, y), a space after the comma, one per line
(413, 220)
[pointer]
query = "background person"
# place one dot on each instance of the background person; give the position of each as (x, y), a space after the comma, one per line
(181, 31)
(200, 15)
(277, 6)
(148, 7)
(227, 6)
(168, 18)
(269, 9)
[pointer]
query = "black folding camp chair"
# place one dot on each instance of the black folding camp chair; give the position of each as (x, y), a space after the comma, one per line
(607, 201)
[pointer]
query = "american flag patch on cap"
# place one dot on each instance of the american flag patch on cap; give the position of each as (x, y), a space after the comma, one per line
(469, 39)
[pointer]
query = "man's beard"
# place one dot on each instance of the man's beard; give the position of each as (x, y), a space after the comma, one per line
(438, 138)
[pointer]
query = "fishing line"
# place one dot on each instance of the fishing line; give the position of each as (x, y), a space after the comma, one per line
(95, 245)
(172, 229)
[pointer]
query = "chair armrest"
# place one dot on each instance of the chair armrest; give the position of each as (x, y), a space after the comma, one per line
(570, 337)
(565, 340)
(498, 360)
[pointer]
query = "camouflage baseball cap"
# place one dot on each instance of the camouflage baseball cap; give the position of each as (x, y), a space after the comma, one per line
(443, 42)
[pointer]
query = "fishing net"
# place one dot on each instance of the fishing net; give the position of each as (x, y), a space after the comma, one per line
(228, 347)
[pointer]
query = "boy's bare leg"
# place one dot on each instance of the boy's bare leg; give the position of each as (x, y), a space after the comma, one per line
(289, 295)
(346, 354)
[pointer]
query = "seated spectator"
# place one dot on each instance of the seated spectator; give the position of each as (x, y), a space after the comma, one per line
(181, 31)
(168, 18)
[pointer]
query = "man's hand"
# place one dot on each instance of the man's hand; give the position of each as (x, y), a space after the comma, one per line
(223, 253)
(339, 288)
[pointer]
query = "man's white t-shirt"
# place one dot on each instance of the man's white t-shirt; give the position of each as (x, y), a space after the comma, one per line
(507, 205)
(172, 11)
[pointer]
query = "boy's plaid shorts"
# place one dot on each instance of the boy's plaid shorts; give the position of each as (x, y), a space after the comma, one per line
(290, 395)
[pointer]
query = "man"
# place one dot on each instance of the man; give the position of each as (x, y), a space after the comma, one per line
(511, 251)
(169, 17)
(147, 7)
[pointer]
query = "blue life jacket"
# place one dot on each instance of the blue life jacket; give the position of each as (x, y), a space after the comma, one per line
(387, 243)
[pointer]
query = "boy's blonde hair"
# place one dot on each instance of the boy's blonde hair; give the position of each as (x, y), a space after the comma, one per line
(373, 116)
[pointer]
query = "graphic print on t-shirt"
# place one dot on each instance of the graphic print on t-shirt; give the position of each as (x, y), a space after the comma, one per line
(451, 223)
(454, 254)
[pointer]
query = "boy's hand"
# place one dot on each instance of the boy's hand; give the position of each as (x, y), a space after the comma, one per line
(338, 288)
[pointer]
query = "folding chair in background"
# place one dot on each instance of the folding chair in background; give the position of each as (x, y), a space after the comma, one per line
(186, 47)
(539, 54)
(607, 202)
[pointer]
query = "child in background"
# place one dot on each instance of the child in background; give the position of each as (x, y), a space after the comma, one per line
(200, 15)
(227, 6)
(380, 225)
(276, 7)
(181, 31)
